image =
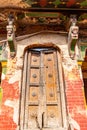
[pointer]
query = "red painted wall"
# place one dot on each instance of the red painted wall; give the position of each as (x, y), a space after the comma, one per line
(10, 92)
(75, 98)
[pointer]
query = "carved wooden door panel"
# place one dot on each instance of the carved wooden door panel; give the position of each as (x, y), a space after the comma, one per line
(42, 104)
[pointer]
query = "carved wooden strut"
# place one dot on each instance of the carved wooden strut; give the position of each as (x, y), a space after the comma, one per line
(73, 38)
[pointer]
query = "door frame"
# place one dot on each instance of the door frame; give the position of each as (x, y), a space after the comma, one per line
(23, 84)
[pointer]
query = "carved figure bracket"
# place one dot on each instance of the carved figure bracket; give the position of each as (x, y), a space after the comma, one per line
(11, 35)
(73, 39)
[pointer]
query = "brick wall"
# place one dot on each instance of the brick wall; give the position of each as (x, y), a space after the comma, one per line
(75, 98)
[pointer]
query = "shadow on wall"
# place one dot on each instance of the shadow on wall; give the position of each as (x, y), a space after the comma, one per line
(84, 72)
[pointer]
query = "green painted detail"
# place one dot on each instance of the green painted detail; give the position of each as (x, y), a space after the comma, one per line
(83, 16)
(30, 2)
(4, 70)
(36, 14)
(84, 3)
(41, 20)
(2, 59)
(56, 2)
(1, 96)
(11, 46)
(83, 48)
(4, 66)
(63, 17)
(73, 45)
(20, 16)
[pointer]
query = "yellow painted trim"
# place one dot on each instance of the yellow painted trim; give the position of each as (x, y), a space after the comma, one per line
(80, 63)
(84, 99)
(4, 63)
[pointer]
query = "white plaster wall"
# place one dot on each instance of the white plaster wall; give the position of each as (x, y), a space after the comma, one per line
(40, 38)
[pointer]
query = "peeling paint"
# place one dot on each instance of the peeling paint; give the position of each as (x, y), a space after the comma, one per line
(15, 77)
(79, 110)
(15, 105)
(3, 76)
(74, 124)
(69, 64)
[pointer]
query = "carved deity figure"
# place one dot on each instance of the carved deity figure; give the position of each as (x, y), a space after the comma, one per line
(73, 37)
(10, 29)
(11, 35)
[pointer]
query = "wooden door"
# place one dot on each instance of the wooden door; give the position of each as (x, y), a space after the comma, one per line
(42, 103)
